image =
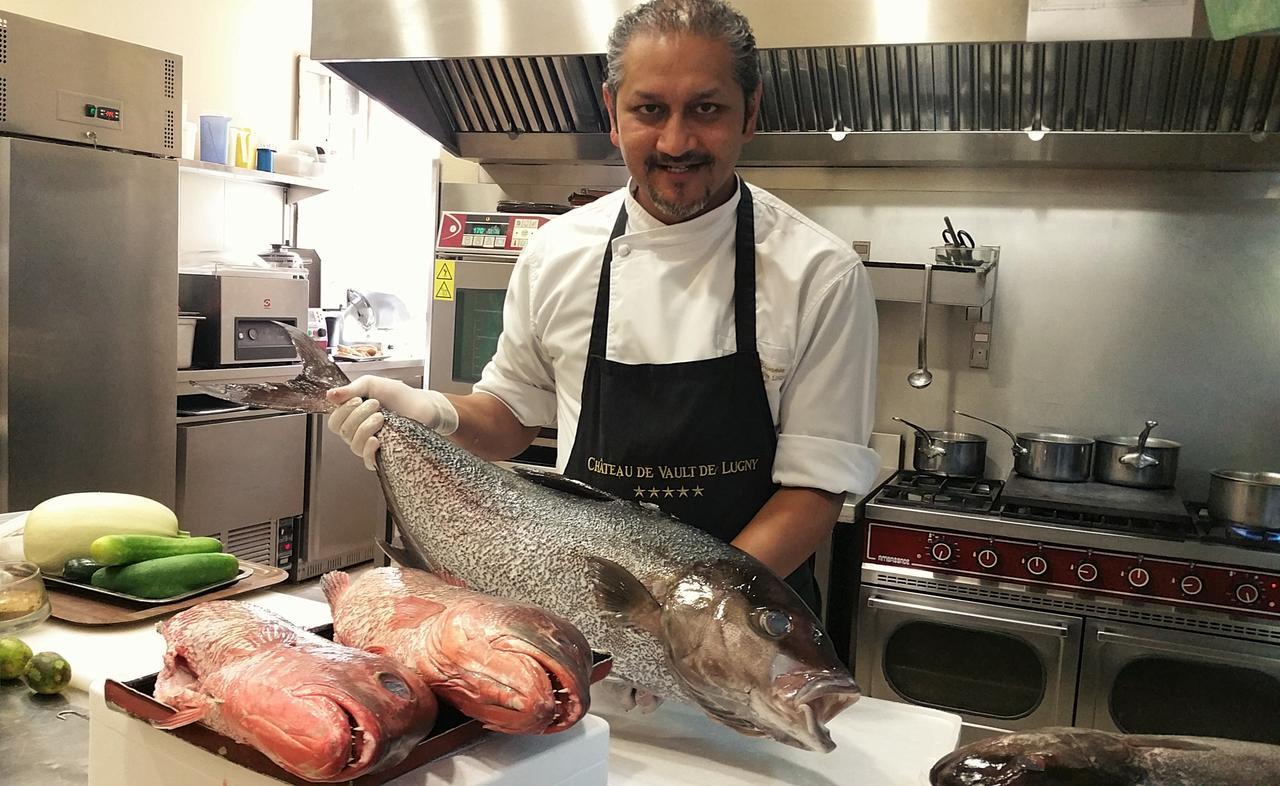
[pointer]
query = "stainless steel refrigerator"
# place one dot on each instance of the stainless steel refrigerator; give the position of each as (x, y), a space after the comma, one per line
(88, 264)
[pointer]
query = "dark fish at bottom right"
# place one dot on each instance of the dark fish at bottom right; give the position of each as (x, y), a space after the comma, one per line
(1085, 757)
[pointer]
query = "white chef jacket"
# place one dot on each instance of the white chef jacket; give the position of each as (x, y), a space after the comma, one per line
(671, 300)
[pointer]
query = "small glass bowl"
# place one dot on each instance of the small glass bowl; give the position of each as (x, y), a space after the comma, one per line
(23, 600)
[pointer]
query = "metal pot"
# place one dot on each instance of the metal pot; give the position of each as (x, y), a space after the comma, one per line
(1247, 499)
(1140, 462)
(1047, 456)
(950, 453)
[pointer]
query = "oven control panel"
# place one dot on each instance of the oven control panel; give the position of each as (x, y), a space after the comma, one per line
(1133, 576)
(488, 232)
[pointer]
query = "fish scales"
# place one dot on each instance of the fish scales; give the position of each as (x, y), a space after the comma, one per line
(482, 518)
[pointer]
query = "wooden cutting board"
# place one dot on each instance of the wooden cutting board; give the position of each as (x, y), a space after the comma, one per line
(86, 609)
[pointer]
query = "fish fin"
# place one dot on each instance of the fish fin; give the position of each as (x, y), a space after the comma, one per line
(1033, 762)
(554, 480)
(183, 717)
(413, 611)
(333, 584)
(1167, 742)
(402, 556)
(303, 393)
(622, 596)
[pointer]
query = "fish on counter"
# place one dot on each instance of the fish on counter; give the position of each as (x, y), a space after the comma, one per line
(320, 710)
(1086, 757)
(684, 615)
(515, 667)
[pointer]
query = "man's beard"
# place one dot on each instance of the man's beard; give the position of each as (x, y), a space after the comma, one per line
(678, 210)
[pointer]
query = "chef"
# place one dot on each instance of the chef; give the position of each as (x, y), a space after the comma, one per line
(700, 344)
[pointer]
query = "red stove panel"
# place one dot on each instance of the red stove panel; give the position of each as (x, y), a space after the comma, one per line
(1081, 570)
(488, 231)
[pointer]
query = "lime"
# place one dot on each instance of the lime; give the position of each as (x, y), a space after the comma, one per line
(14, 655)
(48, 672)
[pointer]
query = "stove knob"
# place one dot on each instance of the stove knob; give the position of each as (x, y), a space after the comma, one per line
(941, 552)
(1087, 572)
(1191, 585)
(1139, 578)
(1247, 594)
(1037, 566)
(988, 558)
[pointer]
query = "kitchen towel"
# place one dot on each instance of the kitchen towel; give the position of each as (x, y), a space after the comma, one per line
(1232, 18)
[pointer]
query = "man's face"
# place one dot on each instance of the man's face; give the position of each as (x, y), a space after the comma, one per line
(680, 120)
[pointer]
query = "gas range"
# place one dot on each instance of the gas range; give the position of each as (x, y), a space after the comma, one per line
(1089, 542)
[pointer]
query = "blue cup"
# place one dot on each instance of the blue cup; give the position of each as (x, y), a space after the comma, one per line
(266, 159)
(214, 135)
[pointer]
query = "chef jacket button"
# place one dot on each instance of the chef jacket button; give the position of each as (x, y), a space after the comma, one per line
(623, 249)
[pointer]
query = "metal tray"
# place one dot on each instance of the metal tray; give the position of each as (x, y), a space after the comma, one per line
(453, 730)
(89, 589)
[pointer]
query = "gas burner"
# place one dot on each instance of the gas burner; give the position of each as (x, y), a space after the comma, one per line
(936, 492)
(1132, 525)
(1257, 536)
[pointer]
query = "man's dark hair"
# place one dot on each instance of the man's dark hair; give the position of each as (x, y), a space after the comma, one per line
(713, 19)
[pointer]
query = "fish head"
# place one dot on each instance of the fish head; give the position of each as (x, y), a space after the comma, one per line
(1048, 757)
(515, 667)
(754, 655)
(335, 717)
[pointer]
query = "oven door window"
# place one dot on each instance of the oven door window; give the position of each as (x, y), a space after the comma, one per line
(1162, 695)
(478, 323)
(972, 671)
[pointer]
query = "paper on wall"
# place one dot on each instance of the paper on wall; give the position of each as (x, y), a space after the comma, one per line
(1093, 20)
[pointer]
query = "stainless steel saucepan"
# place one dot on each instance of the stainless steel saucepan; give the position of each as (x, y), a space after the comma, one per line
(1140, 462)
(950, 453)
(1066, 458)
(1246, 499)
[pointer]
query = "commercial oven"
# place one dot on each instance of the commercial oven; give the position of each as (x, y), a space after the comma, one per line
(1140, 679)
(475, 254)
(1000, 668)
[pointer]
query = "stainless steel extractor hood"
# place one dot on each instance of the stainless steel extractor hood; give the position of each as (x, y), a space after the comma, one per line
(846, 83)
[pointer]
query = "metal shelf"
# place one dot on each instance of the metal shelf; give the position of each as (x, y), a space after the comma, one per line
(296, 189)
(953, 285)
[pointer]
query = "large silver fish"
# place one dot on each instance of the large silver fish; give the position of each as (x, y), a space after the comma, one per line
(684, 615)
(1085, 757)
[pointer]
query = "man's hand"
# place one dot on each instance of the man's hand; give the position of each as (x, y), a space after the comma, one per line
(359, 419)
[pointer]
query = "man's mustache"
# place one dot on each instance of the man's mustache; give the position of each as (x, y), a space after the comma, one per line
(688, 159)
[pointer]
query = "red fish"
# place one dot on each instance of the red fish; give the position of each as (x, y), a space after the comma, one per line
(320, 710)
(515, 667)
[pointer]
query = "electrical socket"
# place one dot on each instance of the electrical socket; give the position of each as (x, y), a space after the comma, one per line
(980, 345)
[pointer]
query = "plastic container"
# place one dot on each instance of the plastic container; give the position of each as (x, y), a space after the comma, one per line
(23, 600)
(266, 161)
(215, 131)
(292, 163)
(186, 338)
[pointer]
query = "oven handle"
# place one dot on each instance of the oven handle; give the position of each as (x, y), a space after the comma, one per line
(1054, 630)
(1106, 636)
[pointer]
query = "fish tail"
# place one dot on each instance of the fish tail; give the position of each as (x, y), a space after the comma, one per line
(303, 393)
(334, 584)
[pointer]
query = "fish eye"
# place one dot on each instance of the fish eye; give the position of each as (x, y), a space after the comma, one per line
(394, 684)
(775, 624)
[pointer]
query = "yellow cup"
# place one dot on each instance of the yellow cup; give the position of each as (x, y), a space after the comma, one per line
(246, 150)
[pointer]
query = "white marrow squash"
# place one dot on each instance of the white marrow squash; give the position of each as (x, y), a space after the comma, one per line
(63, 527)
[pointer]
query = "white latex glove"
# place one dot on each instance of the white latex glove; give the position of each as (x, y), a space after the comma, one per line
(359, 418)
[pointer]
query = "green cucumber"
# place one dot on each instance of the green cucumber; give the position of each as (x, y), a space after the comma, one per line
(167, 576)
(80, 570)
(128, 549)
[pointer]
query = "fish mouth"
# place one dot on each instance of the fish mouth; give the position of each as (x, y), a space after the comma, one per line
(555, 676)
(365, 738)
(805, 703)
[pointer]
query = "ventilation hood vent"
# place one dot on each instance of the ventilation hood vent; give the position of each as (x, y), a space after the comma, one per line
(1177, 103)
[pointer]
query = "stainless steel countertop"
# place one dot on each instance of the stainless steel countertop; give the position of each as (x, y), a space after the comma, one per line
(37, 747)
(352, 369)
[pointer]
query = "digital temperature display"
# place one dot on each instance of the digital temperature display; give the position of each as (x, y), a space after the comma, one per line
(491, 229)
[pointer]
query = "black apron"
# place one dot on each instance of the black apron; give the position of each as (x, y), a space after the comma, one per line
(696, 438)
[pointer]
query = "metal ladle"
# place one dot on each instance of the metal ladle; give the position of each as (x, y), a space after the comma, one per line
(1139, 459)
(921, 377)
